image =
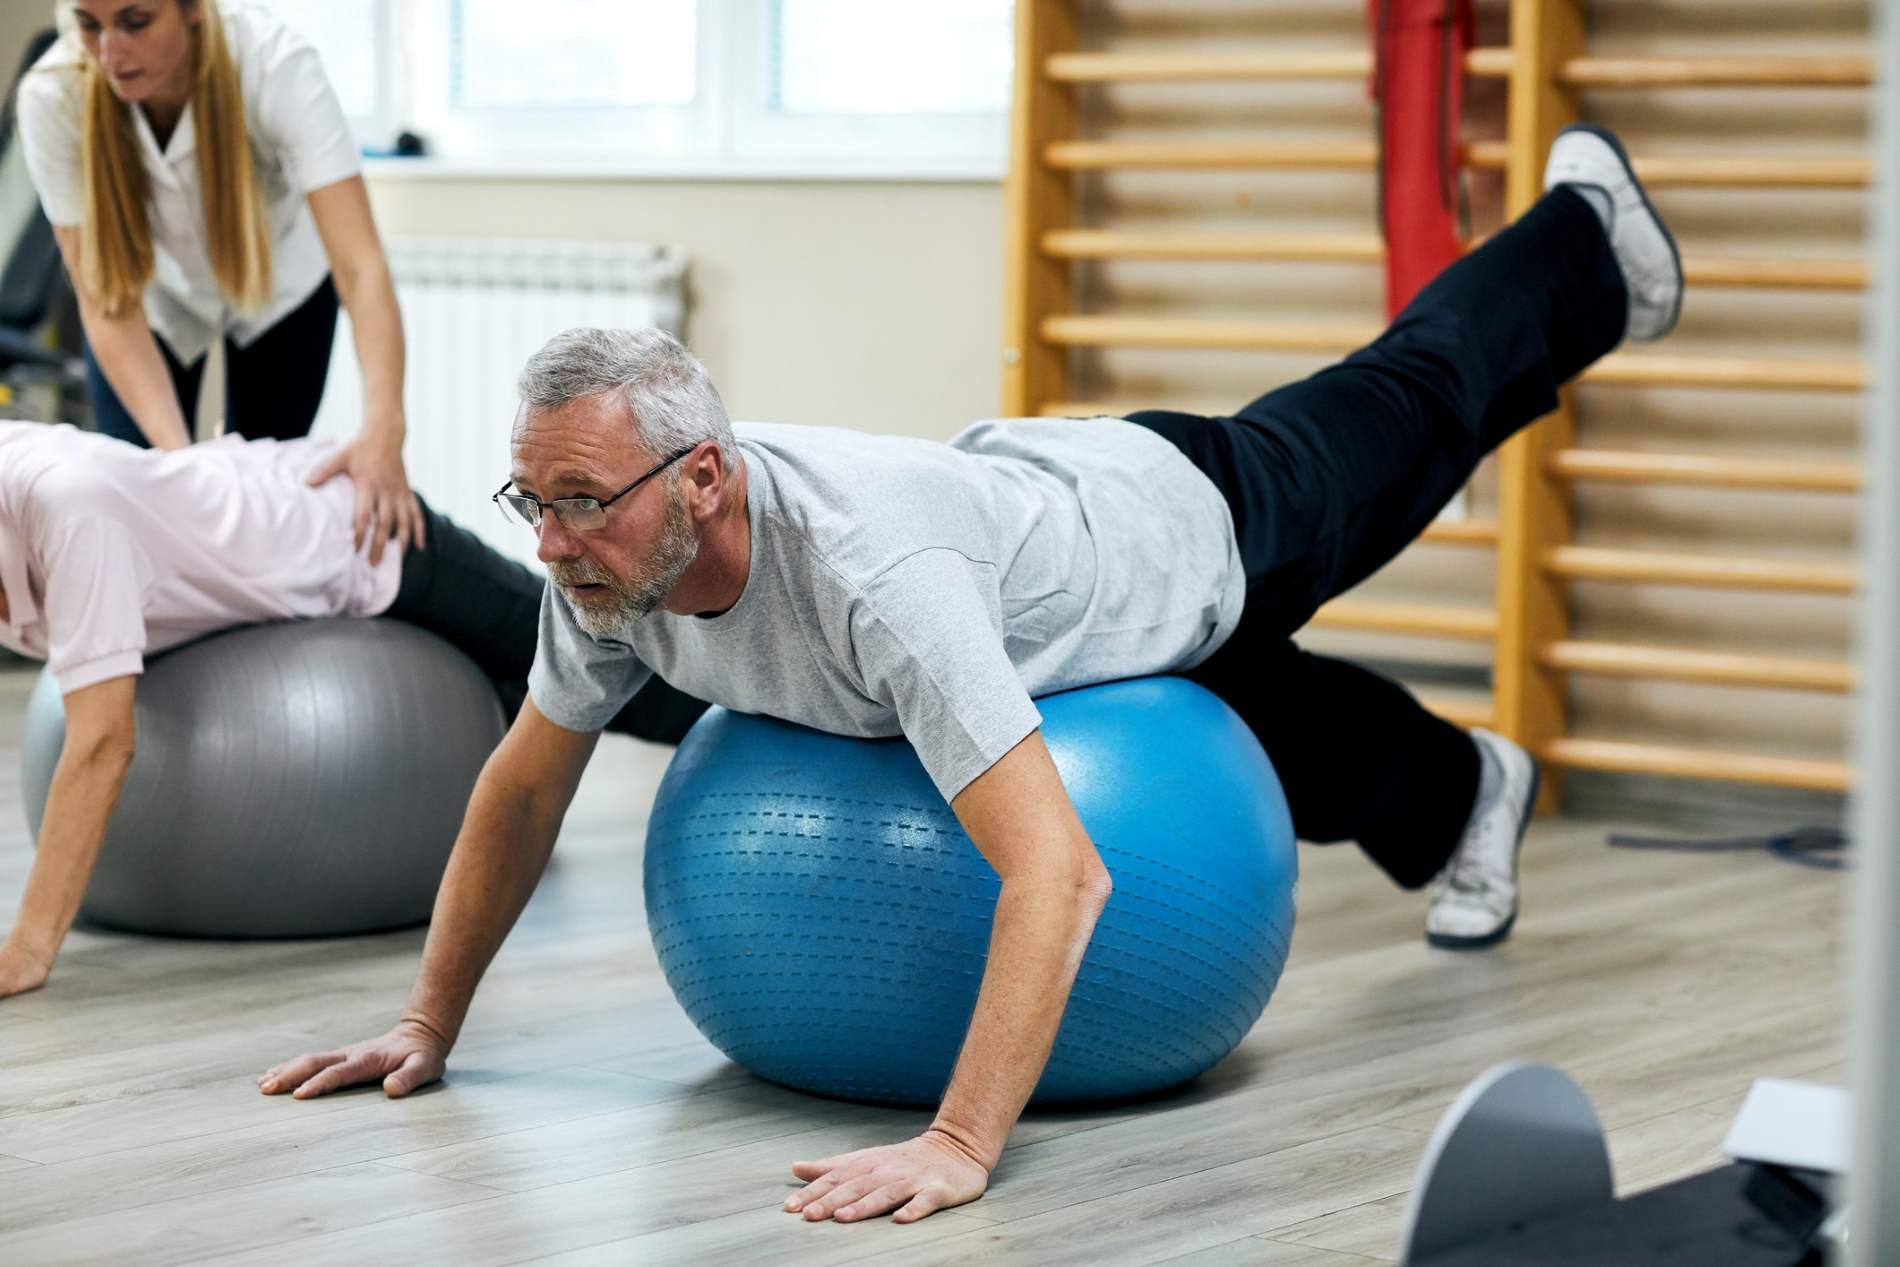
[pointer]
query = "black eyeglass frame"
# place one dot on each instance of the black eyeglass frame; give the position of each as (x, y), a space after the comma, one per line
(503, 498)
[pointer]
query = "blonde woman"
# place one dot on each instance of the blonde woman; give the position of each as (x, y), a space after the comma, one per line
(204, 185)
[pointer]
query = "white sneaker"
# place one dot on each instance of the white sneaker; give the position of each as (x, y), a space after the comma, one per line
(1584, 154)
(1474, 899)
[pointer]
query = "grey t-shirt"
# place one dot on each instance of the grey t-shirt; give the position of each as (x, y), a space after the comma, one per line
(903, 586)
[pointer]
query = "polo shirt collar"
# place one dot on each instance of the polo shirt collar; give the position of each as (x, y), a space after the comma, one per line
(184, 140)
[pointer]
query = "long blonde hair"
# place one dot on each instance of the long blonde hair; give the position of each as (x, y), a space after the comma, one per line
(116, 257)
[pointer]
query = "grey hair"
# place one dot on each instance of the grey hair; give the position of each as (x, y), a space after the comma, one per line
(675, 405)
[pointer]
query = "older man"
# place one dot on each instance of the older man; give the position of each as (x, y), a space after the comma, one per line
(872, 586)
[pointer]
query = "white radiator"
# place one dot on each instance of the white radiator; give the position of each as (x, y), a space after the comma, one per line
(473, 311)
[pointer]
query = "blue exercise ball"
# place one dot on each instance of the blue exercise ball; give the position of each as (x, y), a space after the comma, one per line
(824, 920)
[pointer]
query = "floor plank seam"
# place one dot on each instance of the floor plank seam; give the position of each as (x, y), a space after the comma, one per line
(367, 1099)
(799, 1128)
(1633, 1123)
(688, 1087)
(489, 1188)
(37, 1225)
(254, 1252)
(832, 1251)
(1348, 1254)
(92, 1158)
(1275, 1233)
(1177, 1176)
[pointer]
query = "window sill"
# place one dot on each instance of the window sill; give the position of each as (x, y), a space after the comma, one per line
(619, 167)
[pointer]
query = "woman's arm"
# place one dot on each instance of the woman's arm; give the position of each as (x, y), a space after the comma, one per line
(100, 741)
(127, 351)
(374, 459)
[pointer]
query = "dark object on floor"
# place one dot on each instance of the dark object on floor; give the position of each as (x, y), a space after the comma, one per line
(1706, 1220)
(1818, 847)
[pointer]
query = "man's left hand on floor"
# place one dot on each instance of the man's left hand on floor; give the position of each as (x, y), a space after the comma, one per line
(916, 1178)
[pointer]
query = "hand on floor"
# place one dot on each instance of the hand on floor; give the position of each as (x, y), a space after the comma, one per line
(922, 1175)
(407, 1057)
(20, 972)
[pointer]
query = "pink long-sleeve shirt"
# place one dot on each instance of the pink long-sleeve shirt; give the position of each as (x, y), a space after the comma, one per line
(109, 552)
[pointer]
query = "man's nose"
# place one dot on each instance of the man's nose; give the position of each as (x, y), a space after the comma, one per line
(555, 540)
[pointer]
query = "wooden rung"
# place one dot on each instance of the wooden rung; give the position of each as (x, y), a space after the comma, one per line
(1274, 336)
(1790, 274)
(1656, 171)
(1749, 372)
(1460, 711)
(1717, 72)
(1461, 532)
(1700, 170)
(1716, 668)
(1090, 156)
(1492, 63)
(1107, 68)
(1089, 409)
(1178, 332)
(1713, 472)
(1695, 763)
(1488, 155)
(1756, 173)
(1104, 244)
(1644, 567)
(1367, 248)
(1372, 616)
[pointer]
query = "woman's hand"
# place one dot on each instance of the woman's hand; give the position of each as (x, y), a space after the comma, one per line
(385, 508)
(21, 971)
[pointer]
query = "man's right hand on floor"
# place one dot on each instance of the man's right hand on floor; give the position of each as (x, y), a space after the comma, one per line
(409, 1056)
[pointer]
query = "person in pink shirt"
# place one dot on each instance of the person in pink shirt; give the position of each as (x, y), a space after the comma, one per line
(110, 553)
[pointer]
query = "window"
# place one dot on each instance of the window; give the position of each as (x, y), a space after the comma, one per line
(877, 81)
(575, 54)
(880, 57)
(350, 36)
(794, 87)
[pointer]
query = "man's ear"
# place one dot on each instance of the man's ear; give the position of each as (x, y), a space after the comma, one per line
(710, 480)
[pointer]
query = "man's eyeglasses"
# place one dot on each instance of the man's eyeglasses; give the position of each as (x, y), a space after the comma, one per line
(579, 514)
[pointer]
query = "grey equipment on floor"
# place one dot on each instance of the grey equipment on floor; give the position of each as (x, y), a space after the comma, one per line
(295, 779)
(1520, 1143)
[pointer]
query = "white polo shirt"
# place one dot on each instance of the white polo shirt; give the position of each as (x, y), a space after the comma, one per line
(300, 142)
(109, 551)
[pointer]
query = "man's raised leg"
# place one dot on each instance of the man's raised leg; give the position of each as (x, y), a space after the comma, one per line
(1331, 477)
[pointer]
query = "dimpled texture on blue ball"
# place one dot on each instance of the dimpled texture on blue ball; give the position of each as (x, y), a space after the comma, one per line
(824, 920)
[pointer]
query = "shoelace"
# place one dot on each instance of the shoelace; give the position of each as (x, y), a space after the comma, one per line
(1465, 876)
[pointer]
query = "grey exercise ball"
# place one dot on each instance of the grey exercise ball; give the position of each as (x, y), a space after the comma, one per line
(292, 780)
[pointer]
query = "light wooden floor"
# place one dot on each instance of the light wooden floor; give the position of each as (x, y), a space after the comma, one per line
(584, 1122)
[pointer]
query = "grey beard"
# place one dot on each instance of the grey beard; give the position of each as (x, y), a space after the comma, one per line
(637, 598)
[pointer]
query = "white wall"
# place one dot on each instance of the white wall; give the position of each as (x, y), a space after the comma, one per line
(877, 306)
(18, 20)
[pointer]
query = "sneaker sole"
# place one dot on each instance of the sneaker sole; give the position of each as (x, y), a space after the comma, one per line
(1451, 941)
(1609, 138)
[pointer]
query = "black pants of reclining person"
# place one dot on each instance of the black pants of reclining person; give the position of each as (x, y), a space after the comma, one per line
(1331, 477)
(490, 606)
